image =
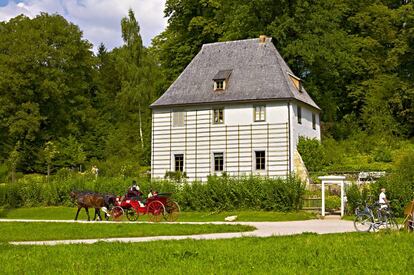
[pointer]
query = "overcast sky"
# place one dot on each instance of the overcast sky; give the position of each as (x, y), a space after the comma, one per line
(100, 20)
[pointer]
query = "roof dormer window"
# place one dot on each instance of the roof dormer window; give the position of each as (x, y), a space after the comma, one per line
(297, 82)
(219, 85)
(221, 80)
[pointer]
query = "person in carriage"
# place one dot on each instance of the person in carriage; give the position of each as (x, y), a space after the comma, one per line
(134, 193)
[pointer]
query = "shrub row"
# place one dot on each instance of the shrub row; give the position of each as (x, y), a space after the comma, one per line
(399, 186)
(218, 193)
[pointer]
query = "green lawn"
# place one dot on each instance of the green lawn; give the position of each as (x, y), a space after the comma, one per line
(351, 253)
(68, 213)
(31, 231)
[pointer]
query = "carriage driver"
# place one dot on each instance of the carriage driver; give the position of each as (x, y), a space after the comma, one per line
(134, 192)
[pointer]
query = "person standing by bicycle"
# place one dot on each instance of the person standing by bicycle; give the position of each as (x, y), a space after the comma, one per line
(383, 205)
(382, 200)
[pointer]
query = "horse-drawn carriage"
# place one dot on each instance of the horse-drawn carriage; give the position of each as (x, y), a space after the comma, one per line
(157, 207)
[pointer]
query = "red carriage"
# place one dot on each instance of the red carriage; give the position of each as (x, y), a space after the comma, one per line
(157, 207)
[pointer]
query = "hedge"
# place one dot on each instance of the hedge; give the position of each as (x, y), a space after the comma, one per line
(218, 193)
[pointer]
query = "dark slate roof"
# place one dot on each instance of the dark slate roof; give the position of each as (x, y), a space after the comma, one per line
(222, 75)
(258, 73)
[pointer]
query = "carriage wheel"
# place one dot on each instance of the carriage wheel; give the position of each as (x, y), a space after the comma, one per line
(117, 212)
(155, 211)
(131, 214)
(172, 211)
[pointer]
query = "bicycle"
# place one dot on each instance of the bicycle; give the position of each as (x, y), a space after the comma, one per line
(373, 217)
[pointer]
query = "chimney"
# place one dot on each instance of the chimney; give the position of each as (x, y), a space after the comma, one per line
(262, 38)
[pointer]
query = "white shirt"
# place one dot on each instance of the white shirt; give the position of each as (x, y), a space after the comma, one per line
(382, 200)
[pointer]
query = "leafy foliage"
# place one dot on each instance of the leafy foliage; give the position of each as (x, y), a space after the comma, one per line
(218, 194)
(400, 184)
(354, 57)
(55, 91)
(312, 153)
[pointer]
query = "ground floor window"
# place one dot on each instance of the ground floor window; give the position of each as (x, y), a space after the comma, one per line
(218, 162)
(179, 162)
(260, 160)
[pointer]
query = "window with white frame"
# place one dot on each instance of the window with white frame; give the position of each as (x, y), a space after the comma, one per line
(179, 162)
(218, 116)
(260, 160)
(218, 162)
(178, 119)
(219, 85)
(260, 113)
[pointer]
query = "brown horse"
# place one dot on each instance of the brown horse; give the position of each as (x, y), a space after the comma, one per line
(89, 200)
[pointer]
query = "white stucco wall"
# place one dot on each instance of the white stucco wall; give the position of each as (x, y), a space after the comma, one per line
(305, 128)
(276, 112)
(238, 138)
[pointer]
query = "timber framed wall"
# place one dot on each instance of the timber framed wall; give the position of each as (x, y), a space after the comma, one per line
(199, 139)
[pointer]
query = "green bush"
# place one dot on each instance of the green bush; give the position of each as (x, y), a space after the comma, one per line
(312, 153)
(356, 195)
(217, 194)
(383, 155)
(332, 202)
(3, 172)
(400, 183)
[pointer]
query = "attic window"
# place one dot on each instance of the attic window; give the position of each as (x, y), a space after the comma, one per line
(221, 80)
(297, 82)
(219, 85)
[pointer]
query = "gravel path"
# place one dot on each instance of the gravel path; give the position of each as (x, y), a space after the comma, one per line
(264, 229)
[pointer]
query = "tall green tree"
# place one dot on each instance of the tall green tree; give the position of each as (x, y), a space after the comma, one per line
(346, 51)
(46, 71)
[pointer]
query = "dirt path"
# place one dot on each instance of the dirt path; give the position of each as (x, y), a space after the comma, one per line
(264, 229)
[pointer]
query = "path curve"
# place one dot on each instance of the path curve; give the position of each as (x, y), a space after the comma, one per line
(263, 229)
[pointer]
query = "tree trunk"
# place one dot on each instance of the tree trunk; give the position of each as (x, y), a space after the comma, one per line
(140, 127)
(48, 170)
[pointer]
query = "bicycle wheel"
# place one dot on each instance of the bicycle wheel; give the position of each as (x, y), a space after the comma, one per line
(363, 222)
(391, 223)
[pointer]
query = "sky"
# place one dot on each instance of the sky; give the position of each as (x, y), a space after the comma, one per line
(100, 20)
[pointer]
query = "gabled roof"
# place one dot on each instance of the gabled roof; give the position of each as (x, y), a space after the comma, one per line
(258, 73)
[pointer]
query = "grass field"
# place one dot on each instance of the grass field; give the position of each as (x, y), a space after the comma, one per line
(68, 213)
(350, 253)
(18, 231)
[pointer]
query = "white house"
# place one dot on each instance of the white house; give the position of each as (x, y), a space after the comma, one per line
(236, 108)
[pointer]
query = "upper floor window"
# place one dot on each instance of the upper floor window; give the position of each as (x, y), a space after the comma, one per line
(178, 119)
(260, 113)
(299, 114)
(218, 116)
(221, 80)
(313, 121)
(219, 85)
(297, 82)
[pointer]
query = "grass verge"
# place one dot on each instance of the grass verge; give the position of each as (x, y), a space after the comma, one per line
(68, 213)
(33, 231)
(350, 253)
